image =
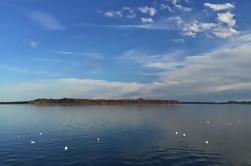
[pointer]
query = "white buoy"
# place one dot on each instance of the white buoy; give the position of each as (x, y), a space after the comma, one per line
(184, 134)
(176, 132)
(98, 139)
(206, 142)
(66, 148)
(40, 133)
(33, 142)
(208, 122)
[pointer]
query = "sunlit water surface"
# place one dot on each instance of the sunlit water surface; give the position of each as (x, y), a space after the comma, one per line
(125, 135)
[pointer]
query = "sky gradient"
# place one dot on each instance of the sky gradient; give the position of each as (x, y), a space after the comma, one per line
(190, 50)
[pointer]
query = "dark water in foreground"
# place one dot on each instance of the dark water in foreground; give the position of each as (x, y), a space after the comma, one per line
(126, 135)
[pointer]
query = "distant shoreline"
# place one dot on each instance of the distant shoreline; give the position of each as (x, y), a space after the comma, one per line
(15, 102)
(69, 101)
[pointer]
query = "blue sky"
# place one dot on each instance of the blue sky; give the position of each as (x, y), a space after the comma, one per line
(193, 50)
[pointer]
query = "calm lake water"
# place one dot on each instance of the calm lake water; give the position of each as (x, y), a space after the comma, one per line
(125, 135)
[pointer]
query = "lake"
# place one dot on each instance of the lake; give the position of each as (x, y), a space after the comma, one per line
(146, 135)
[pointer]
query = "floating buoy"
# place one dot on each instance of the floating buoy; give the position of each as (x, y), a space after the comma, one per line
(208, 122)
(176, 132)
(33, 142)
(40, 133)
(66, 148)
(230, 124)
(206, 142)
(184, 134)
(98, 139)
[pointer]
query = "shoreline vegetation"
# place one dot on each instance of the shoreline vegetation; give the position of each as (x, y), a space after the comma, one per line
(70, 101)
(66, 101)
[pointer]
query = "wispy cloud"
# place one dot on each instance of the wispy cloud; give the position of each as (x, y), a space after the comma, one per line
(92, 55)
(124, 12)
(227, 18)
(178, 40)
(223, 28)
(224, 25)
(13, 68)
(220, 74)
(68, 87)
(146, 20)
(65, 52)
(34, 44)
(151, 11)
(111, 13)
(178, 6)
(160, 62)
(163, 24)
(46, 20)
(166, 6)
(219, 7)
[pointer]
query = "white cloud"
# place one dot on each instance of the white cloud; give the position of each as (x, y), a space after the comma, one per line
(34, 44)
(224, 25)
(194, 27)
(180, 7)
(111, 13)
(160, 62)
(129, 12)
(146, 20)
(46, 20)
(219, 7)
(188, 28)
(224, 28)
(131, 15)
(227, 18)
(174, 5)
(225, 32)
(69, 87)
(165, 6)
(148, 10)
(125, 12)
(221, 74)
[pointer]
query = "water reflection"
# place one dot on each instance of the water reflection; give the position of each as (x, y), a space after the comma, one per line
(126, 135)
